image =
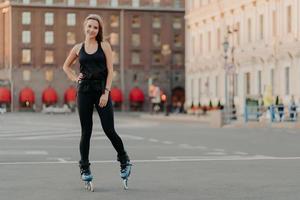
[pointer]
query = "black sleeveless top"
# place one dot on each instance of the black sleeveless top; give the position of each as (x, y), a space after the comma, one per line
(94, 70)
(93, 66)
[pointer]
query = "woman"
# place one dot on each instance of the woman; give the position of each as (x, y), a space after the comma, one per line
(94, 83)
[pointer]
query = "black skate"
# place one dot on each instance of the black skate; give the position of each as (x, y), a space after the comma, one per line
(87, 177)
(125, 171)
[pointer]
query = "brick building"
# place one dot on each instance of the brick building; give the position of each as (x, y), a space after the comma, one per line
(147, 38)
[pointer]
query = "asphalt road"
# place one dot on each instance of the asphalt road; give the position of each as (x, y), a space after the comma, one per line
(172, 160)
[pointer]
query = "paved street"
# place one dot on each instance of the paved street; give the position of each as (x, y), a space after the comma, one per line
(173, 160)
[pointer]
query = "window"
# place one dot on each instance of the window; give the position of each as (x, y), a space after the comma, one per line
(71, 38)
(93, 2)
(177, 23)
(238, 39)
(193, 46)
(201, 44)
(114, 3)
(272, 80)
(71, 2)
(177, 4)
(26, 56)
(177, 40)
(135, 3)
(26, 18)
(235, 83)
(261, 27)
(217, 86)
(49, 39)
(26, 1)
(156, 22)
(274, 16)
(156, 39)
(177, 59)
(49, 18)
(156, 3)
(114, 38)
(115, 56)
(209, 41)
(247, 77)
(136, 21)
(259, 82)
(200, 89)
(289, 19)
(26, 37)
(249, 30)
(49, 58)
(218, 38)
(135, 40)
(207, 85)
(114, 21)
(192, 91)
(287, 81)
(135, 58)
(71, 19)
(156, 58)
(49, 2)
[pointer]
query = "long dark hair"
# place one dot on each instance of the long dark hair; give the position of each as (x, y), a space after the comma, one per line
(99, 36)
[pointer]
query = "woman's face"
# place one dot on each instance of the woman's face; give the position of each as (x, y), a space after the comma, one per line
(91, 28)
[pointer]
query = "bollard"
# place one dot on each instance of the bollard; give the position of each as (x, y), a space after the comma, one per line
(216, 119)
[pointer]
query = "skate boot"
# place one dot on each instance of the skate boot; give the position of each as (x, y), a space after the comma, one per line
(125, 171)
(86, 177)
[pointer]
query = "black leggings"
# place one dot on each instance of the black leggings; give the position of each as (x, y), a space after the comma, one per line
(86, 102)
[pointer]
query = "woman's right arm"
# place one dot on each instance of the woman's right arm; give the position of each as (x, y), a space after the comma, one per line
(68, 64)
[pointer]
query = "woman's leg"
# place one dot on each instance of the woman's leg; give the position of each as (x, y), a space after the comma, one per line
(107, 121)
(85, 110)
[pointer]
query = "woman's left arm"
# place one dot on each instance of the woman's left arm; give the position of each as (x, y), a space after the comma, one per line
(109, 63)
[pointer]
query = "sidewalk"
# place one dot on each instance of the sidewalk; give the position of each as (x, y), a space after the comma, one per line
(206, 119)
(265, 124)
(177, 117)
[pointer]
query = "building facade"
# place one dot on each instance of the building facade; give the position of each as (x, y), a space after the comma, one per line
(38, 35)
(262, 42)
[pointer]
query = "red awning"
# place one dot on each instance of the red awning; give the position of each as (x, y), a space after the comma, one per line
(49, 96)
(136, 95)
(116, 95)
(5, 96)
(70, 95)
(27, 95)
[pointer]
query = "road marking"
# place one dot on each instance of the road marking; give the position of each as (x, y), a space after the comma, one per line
(218, 153)
(31, 152)
(174, 159)
(187, 146)
(131, 137)
(240, 153)
(153, 140)
(167, 142)
(219, 150)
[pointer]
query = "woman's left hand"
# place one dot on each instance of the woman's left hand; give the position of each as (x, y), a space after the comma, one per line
(103, 100)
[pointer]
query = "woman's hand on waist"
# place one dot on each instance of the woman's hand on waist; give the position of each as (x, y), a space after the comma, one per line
(79, 77)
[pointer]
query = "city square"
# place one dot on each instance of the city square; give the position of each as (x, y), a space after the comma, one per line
(205, 96)
(172, 159)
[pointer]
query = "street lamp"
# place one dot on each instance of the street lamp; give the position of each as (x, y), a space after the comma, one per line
(166, 51)
(226, 104)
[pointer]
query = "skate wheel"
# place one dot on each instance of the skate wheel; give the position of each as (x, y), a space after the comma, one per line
(89, 186)
(125, 183)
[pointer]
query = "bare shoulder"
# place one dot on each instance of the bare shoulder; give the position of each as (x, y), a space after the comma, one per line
(77, 48)
(105, 46)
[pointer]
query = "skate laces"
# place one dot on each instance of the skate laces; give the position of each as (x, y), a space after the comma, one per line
(125, 166)
(85, 172)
